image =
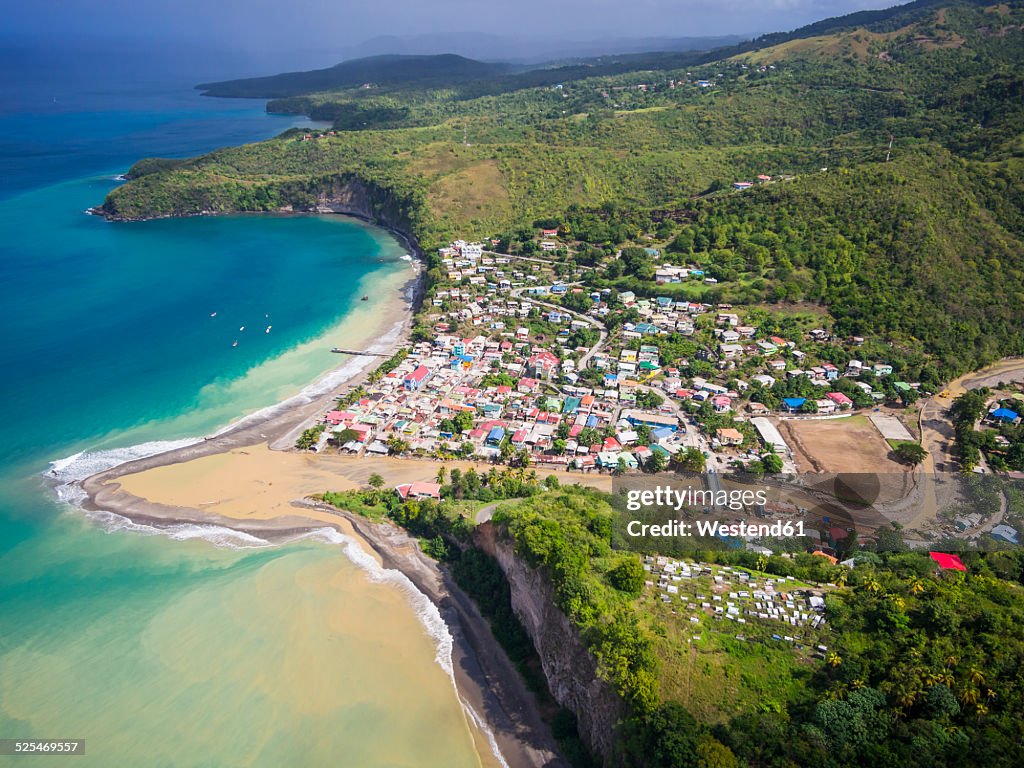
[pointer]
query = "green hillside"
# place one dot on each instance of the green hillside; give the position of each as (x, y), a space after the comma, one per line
(920, 669)
(880, 238)
(388, 70)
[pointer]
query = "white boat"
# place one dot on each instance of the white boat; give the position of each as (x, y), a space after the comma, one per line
(213, 314)
(235, 344)
(242, 328)
(268, 329)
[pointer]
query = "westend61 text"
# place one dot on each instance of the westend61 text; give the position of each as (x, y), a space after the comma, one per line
(677, 528)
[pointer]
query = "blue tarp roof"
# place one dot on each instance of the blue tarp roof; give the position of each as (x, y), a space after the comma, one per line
(794, 402)
(1005, 414)
(496, 434)
(591, 421)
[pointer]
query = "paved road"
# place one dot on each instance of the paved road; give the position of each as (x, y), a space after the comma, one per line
(593, 321)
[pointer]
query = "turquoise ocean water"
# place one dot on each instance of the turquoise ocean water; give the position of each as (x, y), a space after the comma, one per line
(201, 647)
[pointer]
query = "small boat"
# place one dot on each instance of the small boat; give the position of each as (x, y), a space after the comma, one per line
(365, 298)
(213, 314)
(235, 344)
(268, 329)
(242, 328)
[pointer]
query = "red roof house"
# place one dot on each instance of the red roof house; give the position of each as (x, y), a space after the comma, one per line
(415, 379)
(418, 491)
(840, 399)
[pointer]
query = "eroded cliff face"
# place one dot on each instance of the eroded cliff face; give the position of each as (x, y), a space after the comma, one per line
(570, 670)
(158, 190)
(356, 197)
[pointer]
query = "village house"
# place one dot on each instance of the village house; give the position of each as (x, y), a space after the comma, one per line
(418, 491)
(729, 436)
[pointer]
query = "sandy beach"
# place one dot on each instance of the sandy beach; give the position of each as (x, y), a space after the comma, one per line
(265, 492)
(248, 478)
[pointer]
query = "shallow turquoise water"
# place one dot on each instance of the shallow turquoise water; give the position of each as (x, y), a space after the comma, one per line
(201, 648)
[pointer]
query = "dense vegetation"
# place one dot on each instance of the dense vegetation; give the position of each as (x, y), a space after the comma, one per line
(388, 70)
(923, 669)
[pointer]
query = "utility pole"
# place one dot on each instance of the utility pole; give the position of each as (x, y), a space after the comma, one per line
(888, 153)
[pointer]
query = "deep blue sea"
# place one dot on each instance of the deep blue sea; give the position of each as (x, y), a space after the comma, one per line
(115, 335)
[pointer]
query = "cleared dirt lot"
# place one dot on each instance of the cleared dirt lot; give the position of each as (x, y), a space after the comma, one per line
(847, 446)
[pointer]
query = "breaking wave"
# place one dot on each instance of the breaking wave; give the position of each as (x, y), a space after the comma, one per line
(69, 472)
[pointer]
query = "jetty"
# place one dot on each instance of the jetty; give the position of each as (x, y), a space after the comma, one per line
(341, 351)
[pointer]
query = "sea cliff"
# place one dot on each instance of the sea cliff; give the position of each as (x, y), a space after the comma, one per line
(147, 196)
(569, 668)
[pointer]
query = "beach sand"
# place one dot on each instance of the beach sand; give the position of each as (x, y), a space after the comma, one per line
(246, 478)
(260, 490)
(259, 484)
(264, 491)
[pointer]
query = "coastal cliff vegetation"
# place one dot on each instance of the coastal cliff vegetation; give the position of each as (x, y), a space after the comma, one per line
(922, 668)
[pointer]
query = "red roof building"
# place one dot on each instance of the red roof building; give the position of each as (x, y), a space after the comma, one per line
(541, 365)
(339, 417)
(418, 491)
(840, 399)
(947, 562)
(415, 379)
(527, 385)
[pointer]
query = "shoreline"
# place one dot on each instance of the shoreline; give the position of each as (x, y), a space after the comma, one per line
(486, 681)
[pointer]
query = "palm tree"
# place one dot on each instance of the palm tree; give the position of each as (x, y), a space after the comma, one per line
(375, 481)
(397, 445)
(836, 693)
(834, 659)
(976, 676)
(969, 695)
(871, 585)
(906, 696)
(442, 474)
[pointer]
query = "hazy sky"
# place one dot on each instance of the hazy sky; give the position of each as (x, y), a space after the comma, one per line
(331, 25)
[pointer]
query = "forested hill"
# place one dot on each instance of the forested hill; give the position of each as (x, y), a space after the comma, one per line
(475, 78)
(394, 70)
(914, 234)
